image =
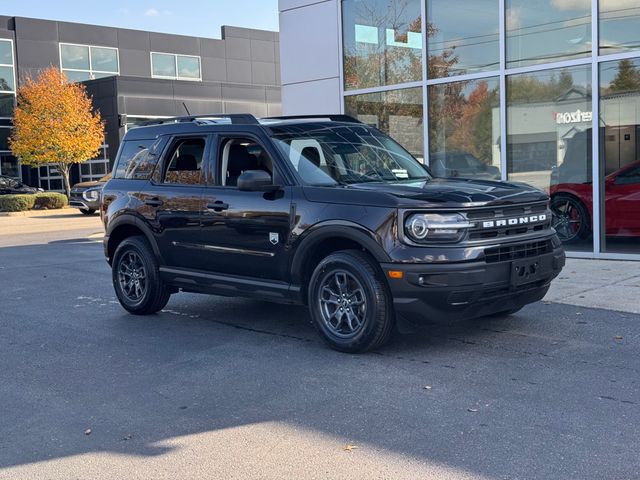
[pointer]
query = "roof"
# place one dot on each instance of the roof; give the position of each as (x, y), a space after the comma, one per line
(198, 123)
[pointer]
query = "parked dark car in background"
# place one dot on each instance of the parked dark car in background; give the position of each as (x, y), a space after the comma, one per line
(12, 186)
(86, 195)
(456, 163)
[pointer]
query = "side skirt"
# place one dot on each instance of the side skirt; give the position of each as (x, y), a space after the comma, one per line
(231, 285)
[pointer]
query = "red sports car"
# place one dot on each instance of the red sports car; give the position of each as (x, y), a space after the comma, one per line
(572, 205)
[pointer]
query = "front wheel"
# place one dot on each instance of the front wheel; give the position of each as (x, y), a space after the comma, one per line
(570, 218)
(89, 211)
(350, 305)
(136, 278)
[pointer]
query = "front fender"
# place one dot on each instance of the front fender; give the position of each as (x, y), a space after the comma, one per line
(335, 229)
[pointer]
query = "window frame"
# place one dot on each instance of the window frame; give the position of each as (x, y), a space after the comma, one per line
(91, 70)
(175, 63)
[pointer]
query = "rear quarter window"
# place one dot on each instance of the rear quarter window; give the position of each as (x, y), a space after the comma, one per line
(137, 159)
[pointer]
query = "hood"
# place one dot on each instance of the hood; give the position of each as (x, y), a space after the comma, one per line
(437, 193)
(86, 185)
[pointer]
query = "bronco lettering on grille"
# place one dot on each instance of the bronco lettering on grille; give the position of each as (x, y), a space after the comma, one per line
(510, 222)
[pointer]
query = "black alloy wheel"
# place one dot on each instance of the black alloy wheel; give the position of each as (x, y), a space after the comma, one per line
(570, 218)
(350, 303)
(136, 277)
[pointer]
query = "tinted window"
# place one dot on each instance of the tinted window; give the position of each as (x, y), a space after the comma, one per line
(163, 65)
(74, 56)
(185, 162)
(134, 161)
(238, 155)
(630, 176)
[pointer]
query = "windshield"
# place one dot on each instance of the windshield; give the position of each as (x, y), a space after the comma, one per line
(330, 154)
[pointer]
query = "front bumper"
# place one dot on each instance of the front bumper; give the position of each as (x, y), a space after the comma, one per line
(439, 293)
(79, 202)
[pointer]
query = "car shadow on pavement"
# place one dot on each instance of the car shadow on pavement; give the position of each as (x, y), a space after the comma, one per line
(527, 396)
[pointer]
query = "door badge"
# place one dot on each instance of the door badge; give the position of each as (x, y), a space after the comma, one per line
(274, 238)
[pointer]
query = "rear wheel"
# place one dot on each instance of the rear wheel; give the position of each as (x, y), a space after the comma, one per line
(89, 211)
(136, 278)
(350, 304)
(570, 218)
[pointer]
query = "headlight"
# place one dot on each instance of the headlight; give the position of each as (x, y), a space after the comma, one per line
(92, 194)
(436, 227)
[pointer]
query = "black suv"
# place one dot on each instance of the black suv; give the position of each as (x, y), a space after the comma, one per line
(323, 211)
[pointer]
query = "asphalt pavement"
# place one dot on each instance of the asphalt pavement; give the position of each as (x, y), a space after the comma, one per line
(224, 388)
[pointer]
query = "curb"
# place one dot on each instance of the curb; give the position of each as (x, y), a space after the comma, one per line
(35, 213)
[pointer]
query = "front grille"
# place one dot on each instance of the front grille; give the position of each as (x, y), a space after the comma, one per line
(517, 251)
(479, 232)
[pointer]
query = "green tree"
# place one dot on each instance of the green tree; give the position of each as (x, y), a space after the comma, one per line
(627, 78)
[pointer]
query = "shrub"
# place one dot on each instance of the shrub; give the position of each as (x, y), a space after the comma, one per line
(51, 200)
(17, 203)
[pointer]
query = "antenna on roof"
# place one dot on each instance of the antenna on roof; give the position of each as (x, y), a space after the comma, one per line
(185, 107)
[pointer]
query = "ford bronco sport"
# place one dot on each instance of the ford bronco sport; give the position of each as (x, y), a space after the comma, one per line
(323, 211)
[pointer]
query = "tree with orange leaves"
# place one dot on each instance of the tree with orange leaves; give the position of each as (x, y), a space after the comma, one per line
(55, 124)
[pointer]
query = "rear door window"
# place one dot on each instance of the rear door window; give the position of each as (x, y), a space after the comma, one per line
(138, 159)
(184, 161)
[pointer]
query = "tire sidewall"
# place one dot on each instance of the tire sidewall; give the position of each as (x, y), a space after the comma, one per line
(136, 245)
(346, 262)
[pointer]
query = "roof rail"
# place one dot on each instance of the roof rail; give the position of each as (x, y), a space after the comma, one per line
(333, 117)
(234, 118)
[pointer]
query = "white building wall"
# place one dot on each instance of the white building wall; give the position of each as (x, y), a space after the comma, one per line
(310, 56)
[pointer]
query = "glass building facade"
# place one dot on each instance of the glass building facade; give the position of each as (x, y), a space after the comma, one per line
(511, 90)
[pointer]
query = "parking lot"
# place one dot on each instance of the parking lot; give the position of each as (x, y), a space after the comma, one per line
(231, 388)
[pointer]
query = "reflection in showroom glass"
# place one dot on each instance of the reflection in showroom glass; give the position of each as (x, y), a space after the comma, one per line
(619, 26)
(398, 113)
(464, 129)
(620, 154)
(382, 42)
(543, 31)
(549, 142)
(463, 39)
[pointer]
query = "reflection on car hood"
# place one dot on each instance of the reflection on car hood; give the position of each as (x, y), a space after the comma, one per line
(85, 185)
(437, 192)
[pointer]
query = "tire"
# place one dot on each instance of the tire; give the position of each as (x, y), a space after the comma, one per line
(90, 211)
(351, 280)
(134, 256)
(570, 218)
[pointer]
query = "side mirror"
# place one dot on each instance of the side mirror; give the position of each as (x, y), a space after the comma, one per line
(256, 181)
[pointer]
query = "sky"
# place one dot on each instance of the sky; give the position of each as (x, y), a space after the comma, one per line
(200, 18)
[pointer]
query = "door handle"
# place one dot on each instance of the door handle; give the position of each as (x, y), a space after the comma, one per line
(218, 206)
(153, 202)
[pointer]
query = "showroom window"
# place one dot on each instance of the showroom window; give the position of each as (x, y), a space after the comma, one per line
(547, 31)
(619, 24)
(87, 62)
(511, 90)
(396, 112)
(7, 80)
(455, 44)
(620, 154)
(464, 129)
(382, 42)
(175, 67)
(549, 122)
